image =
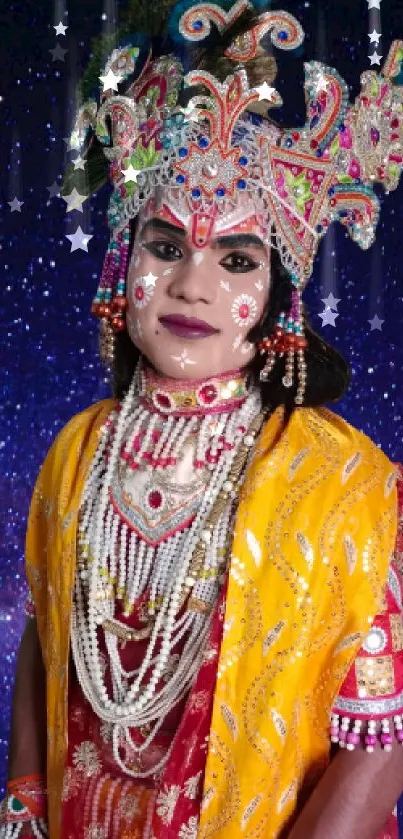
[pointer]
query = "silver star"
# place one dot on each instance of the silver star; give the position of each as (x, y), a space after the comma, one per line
(374, 37)
(266, 92)
(131, 174)
(54, 190)
(328, 317)
(15, 205)
(58, 53)
(374, 4)
(376, 323)
(375, 58)
(322, 83)
(331, 302)
(150, 279)
(60, 29)
(74, 201)
(110, 81)
(79, 240)
(79, 163)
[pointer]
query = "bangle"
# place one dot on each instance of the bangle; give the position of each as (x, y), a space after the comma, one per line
(26, 801)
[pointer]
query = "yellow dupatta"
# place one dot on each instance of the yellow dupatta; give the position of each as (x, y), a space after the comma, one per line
(315, 530)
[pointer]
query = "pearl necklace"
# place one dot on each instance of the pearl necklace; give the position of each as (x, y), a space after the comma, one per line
(188, 566)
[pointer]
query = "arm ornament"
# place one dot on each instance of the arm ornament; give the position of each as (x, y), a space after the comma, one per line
(23, 812)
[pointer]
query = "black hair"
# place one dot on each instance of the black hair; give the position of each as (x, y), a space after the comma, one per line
(328, 374)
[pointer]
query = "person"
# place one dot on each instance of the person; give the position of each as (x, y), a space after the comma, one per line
(214, 557)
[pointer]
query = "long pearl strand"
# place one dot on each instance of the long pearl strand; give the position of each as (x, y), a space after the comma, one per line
(198, 551)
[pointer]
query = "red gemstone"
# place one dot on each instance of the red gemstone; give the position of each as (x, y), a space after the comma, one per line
(139, 293)
(314, 144)
(208, 394)
(155, 499)
(295, 135)
(162, 400)
(243, 311)
(395, 123)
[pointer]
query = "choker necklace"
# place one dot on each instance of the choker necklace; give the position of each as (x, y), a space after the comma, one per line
(121, 557)
(179, 398)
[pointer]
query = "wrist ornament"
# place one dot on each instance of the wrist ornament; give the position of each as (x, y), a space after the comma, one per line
(23, 811)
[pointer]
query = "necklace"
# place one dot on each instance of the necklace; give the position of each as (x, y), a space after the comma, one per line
(117, 559)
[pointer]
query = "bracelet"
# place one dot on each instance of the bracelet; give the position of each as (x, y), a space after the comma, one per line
(25, 804)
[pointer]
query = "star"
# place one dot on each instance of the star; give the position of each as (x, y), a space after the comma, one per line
(375, 58)
(74, 201)
(79, 163)
(331, 302)
(131, 174)
(376, 323)
(322, 83)
(60, 29)
(374, 37)
(266, 92)
(328, 317)
(79, 240)
(54, 190)
(183, 359)
(58, 53)
(110, 81)
(374, 4)
(150, 279)
(16, 205)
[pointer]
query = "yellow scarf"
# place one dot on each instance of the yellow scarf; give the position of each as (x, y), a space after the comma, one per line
(315, 530)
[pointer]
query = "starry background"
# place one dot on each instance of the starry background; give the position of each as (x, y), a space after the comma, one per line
(50, 365)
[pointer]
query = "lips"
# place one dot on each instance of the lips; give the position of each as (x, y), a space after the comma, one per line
(187, 327)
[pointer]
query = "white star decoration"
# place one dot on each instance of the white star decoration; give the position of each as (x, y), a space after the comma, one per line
(331, 301)
(328, 317)
(110, 81)
(183, 359)
(79, 240)
(79, 163)
(150, 279)
(15, 205)
(374, 4)
(60, 29)
(374, 37)
(375, 58)
(376, 323)
(266, 92)
(131, 174)
(322, 83)
(74, 201)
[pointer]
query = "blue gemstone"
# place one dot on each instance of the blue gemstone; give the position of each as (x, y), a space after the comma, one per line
(319, 153)
(197, 25)
(243, 161)
(331, 191)
(342, 127)
(343, 213)
(319, 228)
(180, 179)
(196, 193)
(241, 184)
(204, 142)
(183, 152)
(283, 35)
(288, 143)
(220, 192)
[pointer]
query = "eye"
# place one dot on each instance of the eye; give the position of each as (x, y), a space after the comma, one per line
(164, 249)
(239, 263)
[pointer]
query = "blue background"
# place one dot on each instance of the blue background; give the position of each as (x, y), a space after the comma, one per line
(49, 364)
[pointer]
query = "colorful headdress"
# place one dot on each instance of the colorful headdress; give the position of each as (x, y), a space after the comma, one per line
(219, 144)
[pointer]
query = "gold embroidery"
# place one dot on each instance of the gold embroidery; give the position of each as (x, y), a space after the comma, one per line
(375, 675)
(396, 628)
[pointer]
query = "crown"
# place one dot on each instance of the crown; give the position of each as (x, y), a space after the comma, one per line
(219, 144)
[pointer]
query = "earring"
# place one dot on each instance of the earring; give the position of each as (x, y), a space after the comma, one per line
(288, 337)
(107, 344)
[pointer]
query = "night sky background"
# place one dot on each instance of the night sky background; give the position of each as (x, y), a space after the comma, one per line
(50, 368)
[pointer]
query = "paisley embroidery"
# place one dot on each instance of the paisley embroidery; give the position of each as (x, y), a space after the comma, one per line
(254, 547)
(272, 636)
(350, 467)
(390, 483)
(286, 796)
(305, 548)
(297, 462)
(350, 551)
(230, 719)
(278, 723)
(250, 810)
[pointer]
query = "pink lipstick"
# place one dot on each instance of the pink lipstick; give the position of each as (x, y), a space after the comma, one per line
(185, 327)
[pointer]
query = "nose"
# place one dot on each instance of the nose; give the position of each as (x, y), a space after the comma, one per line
(193, 283)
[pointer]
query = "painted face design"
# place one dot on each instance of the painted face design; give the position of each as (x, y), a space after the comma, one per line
(191, 306)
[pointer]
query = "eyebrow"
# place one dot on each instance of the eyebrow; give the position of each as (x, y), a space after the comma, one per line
(162, 225)
(238, 240)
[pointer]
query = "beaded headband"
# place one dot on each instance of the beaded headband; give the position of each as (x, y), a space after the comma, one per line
(220, 145)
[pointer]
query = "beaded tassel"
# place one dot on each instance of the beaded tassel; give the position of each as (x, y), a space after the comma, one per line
(110, 302)
(348, 733)
(288, 337)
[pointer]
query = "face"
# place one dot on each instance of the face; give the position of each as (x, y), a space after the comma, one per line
(191, 307)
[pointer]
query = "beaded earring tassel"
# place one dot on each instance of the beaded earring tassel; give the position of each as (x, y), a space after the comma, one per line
(288, 338)
(110, 302)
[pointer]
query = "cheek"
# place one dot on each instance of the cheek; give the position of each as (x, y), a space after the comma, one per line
(244, 310)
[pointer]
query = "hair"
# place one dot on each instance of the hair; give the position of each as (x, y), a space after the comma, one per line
(328, 374)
